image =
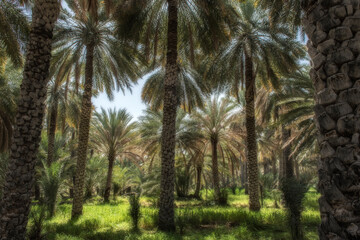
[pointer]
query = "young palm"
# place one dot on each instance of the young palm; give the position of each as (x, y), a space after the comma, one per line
(113, 134)
(185, 22)
(15, 203)
(257, 51)
(215, 121)
(87, 40)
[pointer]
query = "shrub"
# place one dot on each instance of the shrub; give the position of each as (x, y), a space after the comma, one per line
(294, 192)
(36, 229)
(223, 197)
(134, 211)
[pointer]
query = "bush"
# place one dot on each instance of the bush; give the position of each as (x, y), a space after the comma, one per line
(223, 197)
(294, 192)
(37, 218)
(134, 211)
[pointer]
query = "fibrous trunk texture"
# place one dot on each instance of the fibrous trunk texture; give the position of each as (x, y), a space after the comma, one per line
(19, 181)
(287, 161)
(252, 167)
(111, 159)
(86, 110)
(166, 211)
(52, 131)
(215, 168)
(334, 45)
(198, 181)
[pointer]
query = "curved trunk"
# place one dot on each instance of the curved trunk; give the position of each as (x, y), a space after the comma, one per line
(51, 133)
(253, 168)
(215, 168)
(86, 109)
(333, 29)
(198, 181)
(19, 180)
(166, 211)
(111, 159)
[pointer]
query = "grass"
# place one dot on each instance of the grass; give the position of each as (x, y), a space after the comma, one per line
(197, 220)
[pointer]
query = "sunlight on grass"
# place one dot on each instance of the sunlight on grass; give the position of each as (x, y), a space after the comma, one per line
(200, 220)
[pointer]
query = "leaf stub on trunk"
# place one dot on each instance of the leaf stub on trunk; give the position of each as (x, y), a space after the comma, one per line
(15, 205)
(332, 32)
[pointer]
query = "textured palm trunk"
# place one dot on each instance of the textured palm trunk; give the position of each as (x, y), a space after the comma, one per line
(19, 180)
(333, 29)
(273, 165)
(288, 165)
(52, 131)
(111, 159)
(215, 168)
(167, 185)
(253, 168)
(86, 110)
(198, 181)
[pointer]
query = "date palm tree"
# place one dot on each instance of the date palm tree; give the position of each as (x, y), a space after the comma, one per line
(113, 134)
(88, 40)
(215, 121)
(333, 56)
(19, 180)
(261, 52)
(185, 22)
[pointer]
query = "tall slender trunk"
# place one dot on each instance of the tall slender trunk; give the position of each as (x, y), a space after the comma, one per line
(273, 167)
(333, 29)
(288, 165)
(198, 181)
(52, 131)
(63, 122)
(19, 179)
(84, 128)
(253, 168)
(111, 159)
(166, 211)
(215, 168)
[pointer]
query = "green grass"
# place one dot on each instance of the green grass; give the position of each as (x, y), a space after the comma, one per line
(199, 220)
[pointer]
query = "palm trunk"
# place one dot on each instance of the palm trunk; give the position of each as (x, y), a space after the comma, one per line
(52, 131)
(111, 159)
(334, 51)
(19, 180)
(166, 211)
(288, 165)
(215, 168)
(84, 128)
(198, 181)
(63, 122)
(253, 168)
(273, 167)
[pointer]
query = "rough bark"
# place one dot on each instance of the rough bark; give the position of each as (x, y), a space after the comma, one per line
(334, 46)
(198, 181)
(52, 131)
(288, 164)
(19, 180)
(273, 168)
(167, 185)
(111, 159)
(215, 168)
(85, 117)
(251, 145)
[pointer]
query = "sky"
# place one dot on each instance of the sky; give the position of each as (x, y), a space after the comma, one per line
(131, 101)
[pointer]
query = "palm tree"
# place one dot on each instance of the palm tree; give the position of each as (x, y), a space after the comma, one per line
(216, 121)
(257, 51)
(146, 20)
(9, 93)
(113, 134)
(15, 203)
(87, 40)
(331, 83)
(14, 30)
